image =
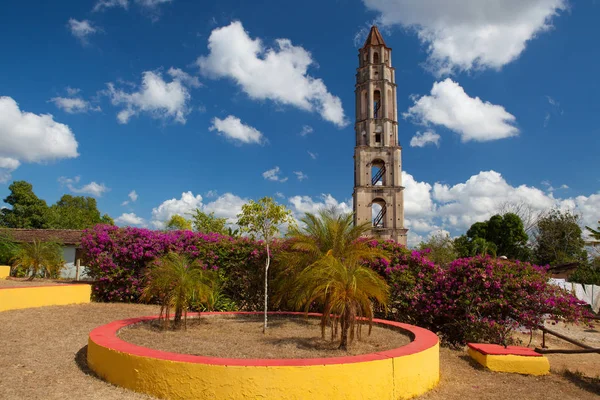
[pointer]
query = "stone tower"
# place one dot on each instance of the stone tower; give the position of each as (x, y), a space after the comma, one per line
(378, 191)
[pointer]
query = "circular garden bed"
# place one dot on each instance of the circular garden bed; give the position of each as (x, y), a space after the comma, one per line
(290, 362)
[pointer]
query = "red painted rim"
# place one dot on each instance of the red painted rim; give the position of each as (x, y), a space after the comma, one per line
(43, 286)
(106, 336)
(498, 350)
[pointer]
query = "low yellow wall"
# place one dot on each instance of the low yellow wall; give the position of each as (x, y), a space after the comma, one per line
(14, 298)
(397, 374)
(4, 271)
(512, 363)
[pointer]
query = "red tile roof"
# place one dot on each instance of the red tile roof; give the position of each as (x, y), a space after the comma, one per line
(64, 236)
(374, 38)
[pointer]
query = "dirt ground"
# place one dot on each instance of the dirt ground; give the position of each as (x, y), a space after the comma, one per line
(242, 337)
(42, 356)
(12, 282)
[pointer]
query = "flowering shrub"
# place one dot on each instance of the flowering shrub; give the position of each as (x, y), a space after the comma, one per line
(116, 259)
(479, 299)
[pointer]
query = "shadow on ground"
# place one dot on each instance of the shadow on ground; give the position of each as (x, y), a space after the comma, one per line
(592, 385)
(81, 362)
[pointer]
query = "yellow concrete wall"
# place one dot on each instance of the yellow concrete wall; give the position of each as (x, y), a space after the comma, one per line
(4, 271)
(511, 363)
(14, 298)
(394, 378)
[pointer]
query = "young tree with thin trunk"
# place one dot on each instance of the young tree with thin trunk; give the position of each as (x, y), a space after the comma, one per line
(263, 220)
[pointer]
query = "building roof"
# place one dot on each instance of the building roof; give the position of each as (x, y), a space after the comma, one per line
(374, 38)
(64, 236)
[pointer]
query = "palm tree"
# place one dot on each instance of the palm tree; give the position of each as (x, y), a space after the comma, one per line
(325, 265)
(483, 247)
(176, 281)
(39, 255)
(593, 232)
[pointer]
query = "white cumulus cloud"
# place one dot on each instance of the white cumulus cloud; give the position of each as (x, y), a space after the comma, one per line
(74, 105)
(233, 128)
(183, 206)
(155, 96)
(300, 175)
(104, 4)
(92, 188)
(279, 74)
(130, 219)
(82, 29)
(274, 175)
(450, 106)
(306, 129)
(133, 196)
(29, 137)
(470, 34)
(425, 138)
(227, 206)
(306, 204)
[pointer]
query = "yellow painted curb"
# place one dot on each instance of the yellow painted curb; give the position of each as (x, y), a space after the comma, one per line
(525, 365)
(4, 271)
(14, 298)
(396, 374)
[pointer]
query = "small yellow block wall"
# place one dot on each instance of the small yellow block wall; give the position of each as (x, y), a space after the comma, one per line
(4, 271)
(511, 363)
(14, 298)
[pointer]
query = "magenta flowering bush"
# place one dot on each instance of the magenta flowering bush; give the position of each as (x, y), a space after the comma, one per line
(116, 258)
(479, 299)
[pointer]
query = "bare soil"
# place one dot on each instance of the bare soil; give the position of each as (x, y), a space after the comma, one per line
(43, 356)
(242, 337)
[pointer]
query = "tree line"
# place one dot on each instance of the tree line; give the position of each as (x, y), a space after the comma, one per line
(28, 211)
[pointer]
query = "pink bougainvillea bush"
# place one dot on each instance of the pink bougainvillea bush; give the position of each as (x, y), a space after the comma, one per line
(116, 258)
(479, 299)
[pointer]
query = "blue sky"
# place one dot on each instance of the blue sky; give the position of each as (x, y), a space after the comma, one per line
(157, 107)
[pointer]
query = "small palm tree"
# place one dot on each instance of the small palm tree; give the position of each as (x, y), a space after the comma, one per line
(325, 265)
(176, 281)
(37, 256)
(483, 247)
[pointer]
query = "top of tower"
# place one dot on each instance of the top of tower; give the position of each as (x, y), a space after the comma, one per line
(374, 38)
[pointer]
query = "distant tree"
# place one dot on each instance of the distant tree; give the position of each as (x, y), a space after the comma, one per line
(528, 215)
(107, 219)
(587, 273)
(39, 256)
(76, 212)
(442, 250)
(263, 220)
(178, 223)
(27, 210)
(462, 246)
(208, 223)
(559, 239)
(507, 234)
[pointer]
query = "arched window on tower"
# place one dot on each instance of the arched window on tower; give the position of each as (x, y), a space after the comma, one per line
(375, 58)
(389, 105)
(378, 209)
(377, 104)
(378, 175)
(363, 105)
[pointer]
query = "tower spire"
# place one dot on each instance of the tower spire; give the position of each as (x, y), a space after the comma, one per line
(378, 192)
(374, 38)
